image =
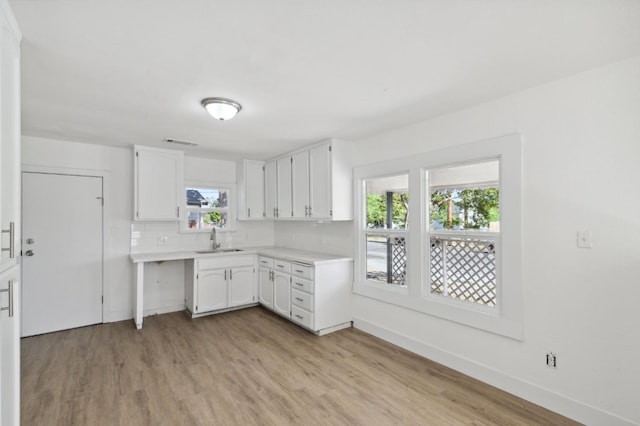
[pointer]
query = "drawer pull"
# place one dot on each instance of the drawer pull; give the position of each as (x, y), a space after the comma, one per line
(299, 271)
(299, 316)
(264, 262)
(299, 284)
(299, 299)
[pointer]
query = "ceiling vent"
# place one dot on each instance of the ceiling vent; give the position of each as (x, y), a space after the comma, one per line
(179, 142)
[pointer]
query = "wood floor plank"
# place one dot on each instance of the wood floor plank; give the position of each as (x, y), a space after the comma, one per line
(248, 367)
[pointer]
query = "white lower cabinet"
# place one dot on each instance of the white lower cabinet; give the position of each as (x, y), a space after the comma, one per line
(220, 283)
(275, 285)
(315, 296)
(282, 293)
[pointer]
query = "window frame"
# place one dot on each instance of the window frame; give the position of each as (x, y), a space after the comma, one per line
(503, 319)
(231, 202)
(388, 232)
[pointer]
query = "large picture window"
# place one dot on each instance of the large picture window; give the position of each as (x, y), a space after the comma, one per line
(440, 233)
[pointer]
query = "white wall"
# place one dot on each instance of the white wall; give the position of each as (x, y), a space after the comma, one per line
(581, 172)
(117, 165)
(164, 282)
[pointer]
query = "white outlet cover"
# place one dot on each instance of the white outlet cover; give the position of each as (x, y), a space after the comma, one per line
(584, 239)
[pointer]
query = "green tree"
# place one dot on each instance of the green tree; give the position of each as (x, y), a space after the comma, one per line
(377, 210)
(477, 207)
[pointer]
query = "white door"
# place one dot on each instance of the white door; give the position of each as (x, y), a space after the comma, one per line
(320, 182)
(300, 184)
(282, 293)
(62, 252)
(266, 288)
(283, 178)
(212, 290)
(242, 287)
(10, 347)
(270, 190)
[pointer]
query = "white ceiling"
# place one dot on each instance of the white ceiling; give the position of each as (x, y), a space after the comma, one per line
(134, 71)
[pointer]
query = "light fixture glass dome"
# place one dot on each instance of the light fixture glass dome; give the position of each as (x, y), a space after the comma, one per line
(221, 108)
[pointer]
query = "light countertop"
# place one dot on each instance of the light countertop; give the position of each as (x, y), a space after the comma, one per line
(292, 255)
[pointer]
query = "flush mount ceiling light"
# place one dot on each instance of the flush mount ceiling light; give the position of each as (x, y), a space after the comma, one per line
(221, 108)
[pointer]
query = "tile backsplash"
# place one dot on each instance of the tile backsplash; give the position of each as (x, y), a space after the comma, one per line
(149, 237)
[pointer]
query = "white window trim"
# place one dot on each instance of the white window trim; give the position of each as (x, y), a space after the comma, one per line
(506, 318)
(231, 210)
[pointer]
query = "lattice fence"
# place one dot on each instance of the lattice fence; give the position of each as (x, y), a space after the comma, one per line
(398, 260)
(464, 269)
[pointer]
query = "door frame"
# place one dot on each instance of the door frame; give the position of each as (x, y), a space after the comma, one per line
(106, 223)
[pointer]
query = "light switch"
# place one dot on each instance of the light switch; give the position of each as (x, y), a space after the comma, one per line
(584, 239)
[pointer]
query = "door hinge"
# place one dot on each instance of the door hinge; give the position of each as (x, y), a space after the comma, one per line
(330, 212)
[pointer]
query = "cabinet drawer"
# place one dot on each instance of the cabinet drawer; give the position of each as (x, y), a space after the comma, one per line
(223, 261)
(302, 284)
(265, 262)
(302, 299)
(281, 265)
(302, 317)
(302, 270)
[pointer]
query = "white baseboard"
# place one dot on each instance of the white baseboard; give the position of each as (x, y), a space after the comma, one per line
(529, 391)
(115, 316)
(163, 310)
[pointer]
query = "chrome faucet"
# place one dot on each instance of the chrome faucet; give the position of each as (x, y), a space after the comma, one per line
(213, 238)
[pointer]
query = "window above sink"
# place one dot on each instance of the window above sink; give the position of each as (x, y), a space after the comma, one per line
(208, 205)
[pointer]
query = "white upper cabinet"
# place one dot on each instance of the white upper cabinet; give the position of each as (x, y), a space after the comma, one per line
(251, 190)
(283, 184)
(158, 189)
(300, 184)
(10, 134)
(270, 190)
(321, 182)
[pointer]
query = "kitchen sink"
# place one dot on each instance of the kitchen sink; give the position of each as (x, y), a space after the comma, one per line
(218, 251)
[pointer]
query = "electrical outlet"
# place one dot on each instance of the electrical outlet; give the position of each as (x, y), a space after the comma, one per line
(552, 360)
(163, 240)
(584, 239)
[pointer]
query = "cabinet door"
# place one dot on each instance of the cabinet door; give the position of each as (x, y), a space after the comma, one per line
(159, 191)
(242, 289)
(10, 347)
(282, 294)
(10, 147)
(265, 288)
(270, 190)
(254, 190)
(300, 184)
(212, 290)
(283, 172)
(320, 190)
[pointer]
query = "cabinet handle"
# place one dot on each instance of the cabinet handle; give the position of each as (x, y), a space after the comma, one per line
(12, 232)
(299, 299)
(231, 274)
(299, 271)
(178, 211)
(299, 284)
(306, 211)
(249, 212)
(10, 291)
(299, 316)
(309, 211)
(225, 274)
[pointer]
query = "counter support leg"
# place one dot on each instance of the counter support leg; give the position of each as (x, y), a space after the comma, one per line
(137, 314)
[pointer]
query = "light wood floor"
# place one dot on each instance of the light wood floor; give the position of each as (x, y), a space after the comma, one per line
(248, 367)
